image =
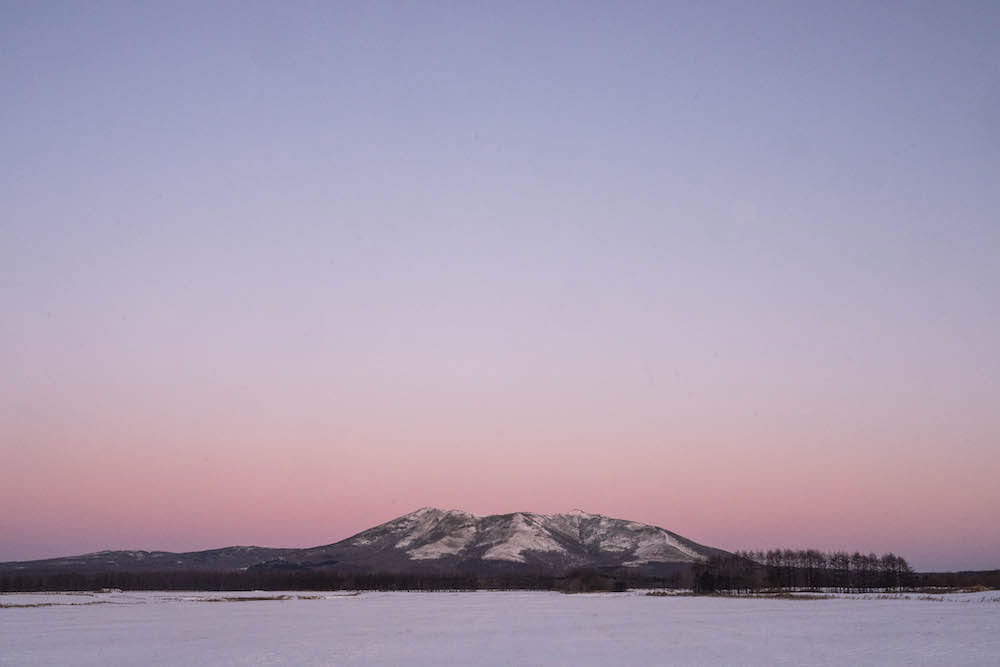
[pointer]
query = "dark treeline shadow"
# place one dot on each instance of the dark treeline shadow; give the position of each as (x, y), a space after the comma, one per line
(744, 572)
(989, 579)
(581, 580)
(782, 570)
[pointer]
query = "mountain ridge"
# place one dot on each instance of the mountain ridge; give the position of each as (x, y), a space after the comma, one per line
(431, 540)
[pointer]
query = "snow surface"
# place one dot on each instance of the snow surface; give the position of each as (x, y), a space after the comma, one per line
(494, 628)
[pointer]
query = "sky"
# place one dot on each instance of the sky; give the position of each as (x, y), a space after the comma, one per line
(273, 273)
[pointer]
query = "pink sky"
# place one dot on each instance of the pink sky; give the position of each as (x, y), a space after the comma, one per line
(277, 275)
(130, 471)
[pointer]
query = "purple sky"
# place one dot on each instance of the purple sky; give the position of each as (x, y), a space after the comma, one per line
(271, 273)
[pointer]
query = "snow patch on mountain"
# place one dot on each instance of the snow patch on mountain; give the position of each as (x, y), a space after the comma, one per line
(657, 546)
(419, 524)
(447, 546)
(609, 537)
(461, 528)
(575, 537)
(525, 534)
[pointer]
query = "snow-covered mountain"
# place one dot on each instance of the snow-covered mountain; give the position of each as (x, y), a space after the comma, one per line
(443, 540)
(432, 540)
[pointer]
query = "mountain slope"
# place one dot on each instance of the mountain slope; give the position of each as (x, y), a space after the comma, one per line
(431, 540)
(228, 558)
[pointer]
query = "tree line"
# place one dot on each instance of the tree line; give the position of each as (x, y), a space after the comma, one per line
(743, 572)
(778, 570)
(326, 580)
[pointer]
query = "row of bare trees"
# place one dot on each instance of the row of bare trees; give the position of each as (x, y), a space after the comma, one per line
(797, 569)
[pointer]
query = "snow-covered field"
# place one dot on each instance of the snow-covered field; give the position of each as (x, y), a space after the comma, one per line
(493, 628)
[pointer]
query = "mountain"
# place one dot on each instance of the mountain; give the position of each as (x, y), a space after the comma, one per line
(228, 558)
(435, 541)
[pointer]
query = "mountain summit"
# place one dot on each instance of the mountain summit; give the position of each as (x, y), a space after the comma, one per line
(434, 540)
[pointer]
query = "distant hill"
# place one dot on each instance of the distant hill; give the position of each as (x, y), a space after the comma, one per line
(229, 558)
(431, 540)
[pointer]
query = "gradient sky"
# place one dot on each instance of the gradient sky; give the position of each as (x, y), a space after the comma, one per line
(272, 273)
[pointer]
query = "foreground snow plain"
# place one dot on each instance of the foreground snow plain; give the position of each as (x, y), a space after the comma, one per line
(494, 628)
